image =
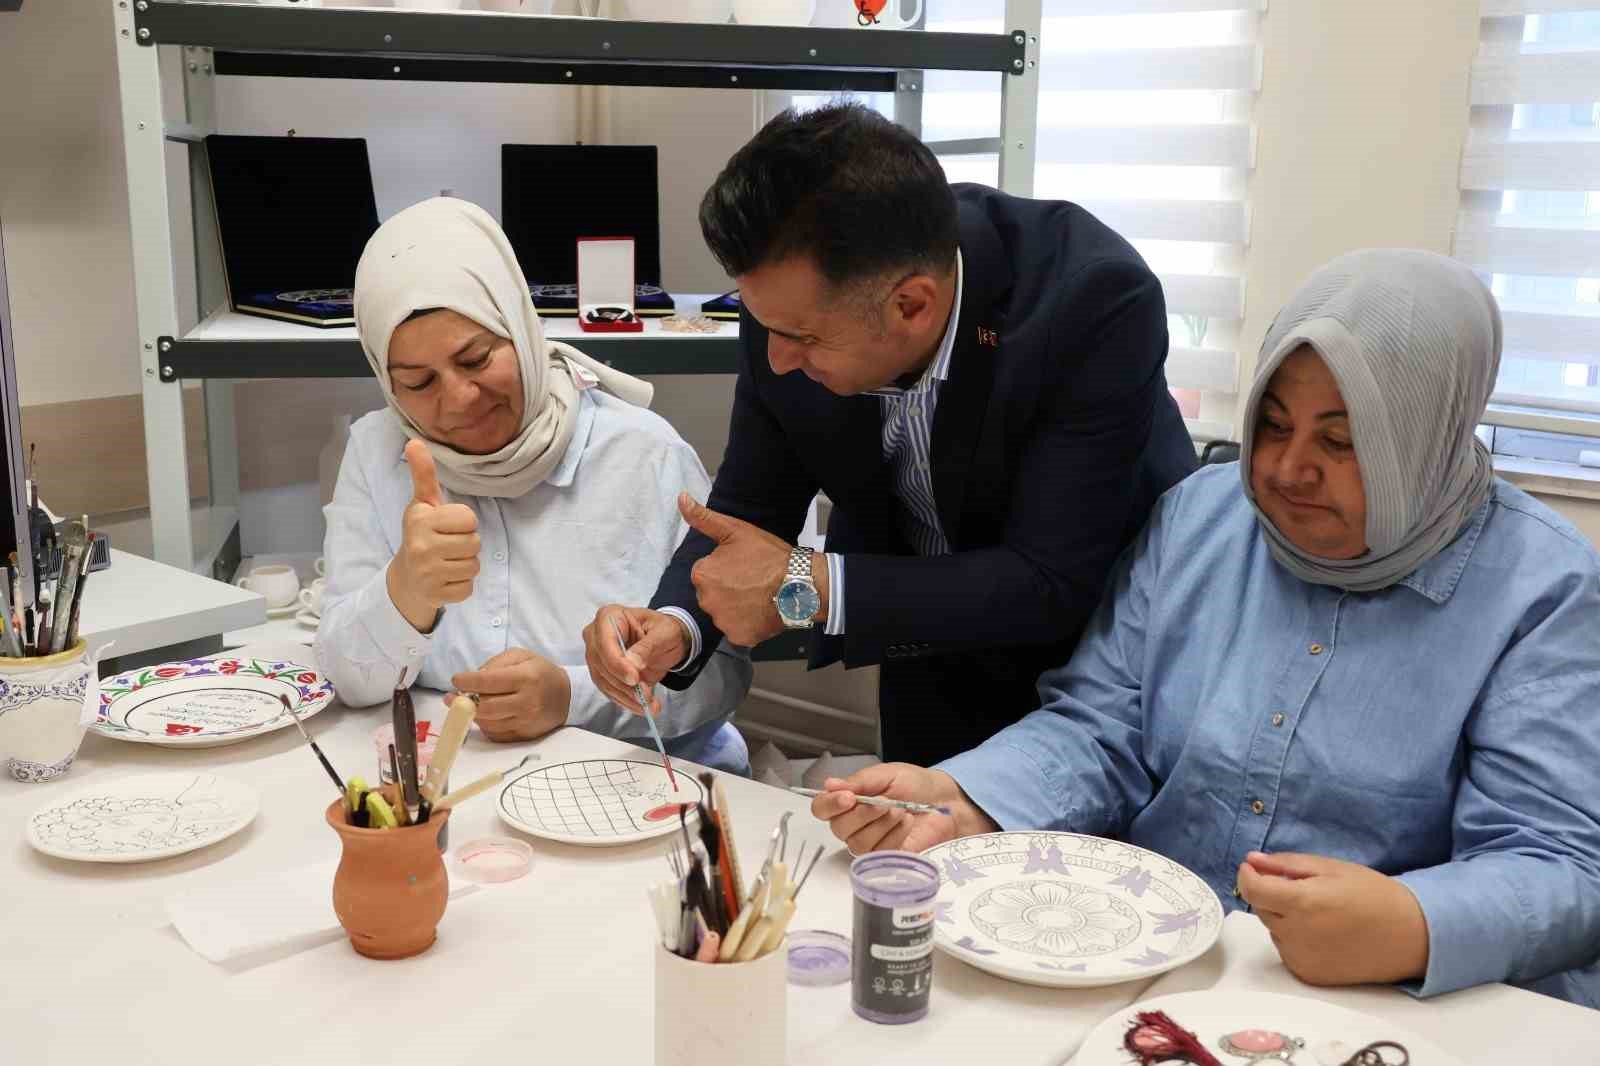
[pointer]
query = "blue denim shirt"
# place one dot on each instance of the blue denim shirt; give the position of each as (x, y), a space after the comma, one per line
(1445, 730)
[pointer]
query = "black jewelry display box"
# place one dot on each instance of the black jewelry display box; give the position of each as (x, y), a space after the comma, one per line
(293, 214)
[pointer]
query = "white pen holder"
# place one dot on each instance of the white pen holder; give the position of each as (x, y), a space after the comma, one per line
(43, 706)
(722, 1014)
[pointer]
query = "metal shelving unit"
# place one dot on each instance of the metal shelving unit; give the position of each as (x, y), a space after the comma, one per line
(207, 40)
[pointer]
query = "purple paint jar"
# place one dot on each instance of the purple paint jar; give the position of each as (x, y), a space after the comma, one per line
(892, 957)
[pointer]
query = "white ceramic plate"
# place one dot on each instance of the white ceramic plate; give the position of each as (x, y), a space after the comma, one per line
(1329, 1035)
(596, 802)
(136, 819)
(285, 611)
(308, 618)
(206, 702)
(1069, 911)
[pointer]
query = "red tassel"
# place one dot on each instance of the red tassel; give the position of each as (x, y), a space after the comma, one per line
(1153, 1037)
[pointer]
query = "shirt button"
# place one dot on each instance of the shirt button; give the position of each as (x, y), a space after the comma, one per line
(1277, 719)
(499, 556)
(496, 621)
(1236, 893)
(1257, 807)
(1316, 649)
(413, 651)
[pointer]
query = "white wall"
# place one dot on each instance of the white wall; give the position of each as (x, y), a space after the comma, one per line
(1360, 121)
(64, 204)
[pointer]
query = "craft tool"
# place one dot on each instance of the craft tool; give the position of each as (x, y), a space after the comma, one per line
(730, 851)
(644, 709)
(77, 596)
(7, 641)
(380, 813)
(72, 554)
(487, 781)
(405, 738)
(881, 801)
(338, 782)
(454, 734)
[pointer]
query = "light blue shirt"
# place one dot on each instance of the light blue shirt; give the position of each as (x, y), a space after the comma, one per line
(600, 529)
(1445, 730)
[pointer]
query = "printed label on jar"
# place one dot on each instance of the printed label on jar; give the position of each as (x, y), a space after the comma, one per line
(902, 954)
(912, 917)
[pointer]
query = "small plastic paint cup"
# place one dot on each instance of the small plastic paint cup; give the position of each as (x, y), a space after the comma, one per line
(892, 946)
(383, 736)
(490, 860)
(818, 958)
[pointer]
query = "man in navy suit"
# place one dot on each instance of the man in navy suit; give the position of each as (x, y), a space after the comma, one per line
(976, 383)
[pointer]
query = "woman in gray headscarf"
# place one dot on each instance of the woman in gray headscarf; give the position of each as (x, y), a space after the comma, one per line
(511, 486)
(1354, 683)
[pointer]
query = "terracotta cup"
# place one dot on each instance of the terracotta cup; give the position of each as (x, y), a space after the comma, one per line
(390, 889)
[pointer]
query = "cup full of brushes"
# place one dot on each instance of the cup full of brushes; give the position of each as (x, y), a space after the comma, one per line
(721, 967)
(43, 702)
(390, 889)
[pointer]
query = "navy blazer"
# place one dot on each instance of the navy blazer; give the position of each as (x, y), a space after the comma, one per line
(1054, 436)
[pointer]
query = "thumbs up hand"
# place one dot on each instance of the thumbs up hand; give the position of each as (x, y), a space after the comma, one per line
(438, 556)
(736, 583)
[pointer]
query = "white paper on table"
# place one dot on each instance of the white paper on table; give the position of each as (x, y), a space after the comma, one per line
(228, 921)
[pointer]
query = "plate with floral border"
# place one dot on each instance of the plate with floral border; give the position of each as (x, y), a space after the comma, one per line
(1245, 1027)
(1066, 910)
(203, 703)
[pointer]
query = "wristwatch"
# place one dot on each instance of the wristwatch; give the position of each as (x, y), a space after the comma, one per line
(797, 599)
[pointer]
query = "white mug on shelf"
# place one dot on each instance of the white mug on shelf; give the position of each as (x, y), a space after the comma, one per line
(774, 12)
(678, 10)
(279, 584)
(847, 13)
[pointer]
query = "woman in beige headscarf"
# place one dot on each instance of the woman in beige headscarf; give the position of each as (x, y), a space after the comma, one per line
(511, 485)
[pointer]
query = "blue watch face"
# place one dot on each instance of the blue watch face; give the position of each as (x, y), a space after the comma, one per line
(798, 601)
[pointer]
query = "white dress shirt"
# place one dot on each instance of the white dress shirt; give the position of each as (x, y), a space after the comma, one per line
(599, 530)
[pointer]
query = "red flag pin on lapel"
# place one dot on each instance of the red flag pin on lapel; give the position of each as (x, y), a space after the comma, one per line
(988, 337)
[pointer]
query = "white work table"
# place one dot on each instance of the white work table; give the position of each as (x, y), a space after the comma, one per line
(555, 967)
(137, 604)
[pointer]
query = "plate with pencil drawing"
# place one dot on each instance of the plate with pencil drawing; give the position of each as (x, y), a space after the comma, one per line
(137, 819)
(204, 703)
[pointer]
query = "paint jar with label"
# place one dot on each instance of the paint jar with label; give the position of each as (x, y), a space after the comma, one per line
(892, 954)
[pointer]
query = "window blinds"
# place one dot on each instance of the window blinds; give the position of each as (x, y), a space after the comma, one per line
(1530, 217)
(1144, 119)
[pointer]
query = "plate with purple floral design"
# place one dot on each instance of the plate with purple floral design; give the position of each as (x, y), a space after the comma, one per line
(204, 703)
(1066, 910)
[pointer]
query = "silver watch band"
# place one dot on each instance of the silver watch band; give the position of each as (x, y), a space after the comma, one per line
(800, 564)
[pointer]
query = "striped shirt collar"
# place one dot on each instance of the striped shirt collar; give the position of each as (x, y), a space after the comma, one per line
(939, 369)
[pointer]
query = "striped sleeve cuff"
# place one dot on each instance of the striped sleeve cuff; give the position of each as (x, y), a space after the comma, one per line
(835, 626)
(694, 637)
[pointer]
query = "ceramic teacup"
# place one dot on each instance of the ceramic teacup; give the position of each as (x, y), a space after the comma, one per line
(311, 596)
(279, 584)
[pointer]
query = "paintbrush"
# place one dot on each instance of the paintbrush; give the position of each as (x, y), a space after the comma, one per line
(405, 740)
(644, 709)
(881, 801)
(338, 782)
(482, 784)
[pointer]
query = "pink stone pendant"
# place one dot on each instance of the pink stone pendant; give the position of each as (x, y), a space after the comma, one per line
(1261, 1045)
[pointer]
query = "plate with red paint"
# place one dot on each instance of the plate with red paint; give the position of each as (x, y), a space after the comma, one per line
(1240, 1027)
(597, 802)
